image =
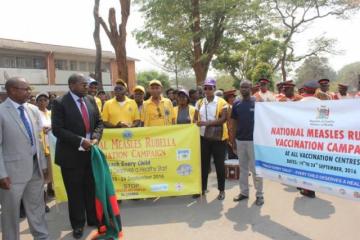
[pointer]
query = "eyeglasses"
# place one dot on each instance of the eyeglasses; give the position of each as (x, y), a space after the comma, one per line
(159, 112)
(208, 88)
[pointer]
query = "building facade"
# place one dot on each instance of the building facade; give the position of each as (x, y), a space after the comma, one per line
(47, 67)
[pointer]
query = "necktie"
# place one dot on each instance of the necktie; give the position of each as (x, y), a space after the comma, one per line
(26, 124)
(85, 115)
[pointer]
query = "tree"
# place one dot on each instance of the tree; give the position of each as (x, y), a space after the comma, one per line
(224, 81)
(117, 36)
(143, 78)
(262, 70)
(193, 30)
(241, 59)
(295, 15)
(314, 68)
(350, 74)
(96, 35)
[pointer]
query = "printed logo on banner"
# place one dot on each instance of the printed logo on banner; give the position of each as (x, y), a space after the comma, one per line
(159, 188)
(183, 154)
(184, 170)
(179, 187)
(322, 117)
(127, 134)
(323, 112)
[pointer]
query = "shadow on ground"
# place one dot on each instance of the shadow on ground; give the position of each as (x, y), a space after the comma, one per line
(249, 217)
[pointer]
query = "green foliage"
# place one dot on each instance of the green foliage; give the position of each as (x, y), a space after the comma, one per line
(143, 78)
(225, 82)
(350, 74)
(186, 80)
(241, 34)
(314, 68)
(169, 27)
(262, 70)
(240, 58)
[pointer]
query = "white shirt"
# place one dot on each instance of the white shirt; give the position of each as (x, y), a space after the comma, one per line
(267, 96)
(45, 122)
(304, 99)
(16, 106)
(207, 111)
(45, 119)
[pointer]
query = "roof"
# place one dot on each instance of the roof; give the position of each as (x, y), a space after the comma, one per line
(42, 47)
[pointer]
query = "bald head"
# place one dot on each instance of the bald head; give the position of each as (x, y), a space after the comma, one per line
(18, 89)
(78, 84)
(14, 82)
(245, 82)
(245, 89)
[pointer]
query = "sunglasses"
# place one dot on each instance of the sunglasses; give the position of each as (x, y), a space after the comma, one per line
(119, 88)
(207, 88)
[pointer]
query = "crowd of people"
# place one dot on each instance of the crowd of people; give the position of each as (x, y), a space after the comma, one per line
(78, 117)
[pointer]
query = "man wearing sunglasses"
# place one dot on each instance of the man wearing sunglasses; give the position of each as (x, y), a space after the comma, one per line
(157, 110)
(121, 111)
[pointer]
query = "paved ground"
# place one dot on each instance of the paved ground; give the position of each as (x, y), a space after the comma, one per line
(285, 216)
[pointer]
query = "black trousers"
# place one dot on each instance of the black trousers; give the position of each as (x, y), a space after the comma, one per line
(80, 189)
(215, 149)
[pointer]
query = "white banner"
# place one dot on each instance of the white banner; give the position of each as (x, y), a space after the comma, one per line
(312, 144)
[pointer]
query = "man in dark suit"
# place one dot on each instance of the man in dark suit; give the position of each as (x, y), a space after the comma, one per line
(77, 124)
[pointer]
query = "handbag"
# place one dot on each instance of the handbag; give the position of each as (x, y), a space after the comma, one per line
(213, 133)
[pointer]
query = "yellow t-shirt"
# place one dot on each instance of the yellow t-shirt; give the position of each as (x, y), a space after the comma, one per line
(98, 103)
(191, 113)
(115, 112)
(157, 115)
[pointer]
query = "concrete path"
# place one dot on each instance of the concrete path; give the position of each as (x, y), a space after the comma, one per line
(286, 215)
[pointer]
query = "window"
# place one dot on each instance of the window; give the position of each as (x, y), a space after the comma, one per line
(39, 63)
(7, 62)
(25, 62)
(83, 66)
(73, 65)
(61, 64)
(91, 67)
(106, 67)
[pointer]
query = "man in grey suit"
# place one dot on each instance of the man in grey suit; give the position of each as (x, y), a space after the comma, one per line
(23, 166)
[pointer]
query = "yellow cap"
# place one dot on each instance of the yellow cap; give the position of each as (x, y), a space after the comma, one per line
(140, 88)
(155, 82)
(122, 82)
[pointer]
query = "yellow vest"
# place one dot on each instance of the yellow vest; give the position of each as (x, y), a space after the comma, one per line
(191, 113)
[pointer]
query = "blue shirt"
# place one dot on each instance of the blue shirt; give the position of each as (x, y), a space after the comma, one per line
(243, 113)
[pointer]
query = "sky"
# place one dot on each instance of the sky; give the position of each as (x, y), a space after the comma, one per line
(70, 23)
